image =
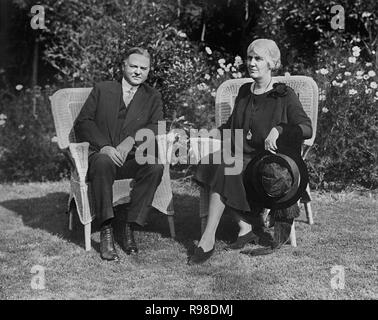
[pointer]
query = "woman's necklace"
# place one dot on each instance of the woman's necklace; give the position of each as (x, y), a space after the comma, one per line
(253, 89)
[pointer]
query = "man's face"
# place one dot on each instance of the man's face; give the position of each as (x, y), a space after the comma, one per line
(135, 69)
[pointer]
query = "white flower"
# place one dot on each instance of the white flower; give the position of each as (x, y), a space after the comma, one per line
(76, 74)
(202, 86)
(352, 92)
(347, 73)
(359, 73)
(335, 83)
(201, 107)
(376, 93)
(325, 110)
(356, 49)
(3, 117)
(220, 71)
(21, 126)
(19, 87)
(185, 104)
(366, 14)
(373, 85)
(341, 65)
(221, 61)
(213, 93)
(373, 51)
(368, 91)
(322, 97)
(368, 64)
(356, 53)
(2, 122)
(207, 76)
(238, 75)
(323, 71)
(371, 73)
(233, 69)
(181, 34)
(238, 61)
(352, 59)
(208, 50)
(358, 77)
(54, 139)
(366, 76)
(234, 75)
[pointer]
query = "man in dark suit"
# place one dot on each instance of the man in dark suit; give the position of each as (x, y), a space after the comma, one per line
(109, 120)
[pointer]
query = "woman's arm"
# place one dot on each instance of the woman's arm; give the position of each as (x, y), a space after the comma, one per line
(299, 124)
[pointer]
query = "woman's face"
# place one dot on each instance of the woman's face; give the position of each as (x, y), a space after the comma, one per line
(258, 66)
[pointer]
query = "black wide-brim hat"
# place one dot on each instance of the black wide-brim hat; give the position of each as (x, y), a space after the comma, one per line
(253, 179)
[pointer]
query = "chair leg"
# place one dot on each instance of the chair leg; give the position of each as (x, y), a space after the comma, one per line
(293, 238)
(87, 234)
(310, 218)
(70, 220)
(171, 223)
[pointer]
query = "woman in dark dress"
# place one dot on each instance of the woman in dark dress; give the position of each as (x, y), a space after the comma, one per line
(264, 110)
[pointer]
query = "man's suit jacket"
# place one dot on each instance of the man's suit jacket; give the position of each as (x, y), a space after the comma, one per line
(97, 120)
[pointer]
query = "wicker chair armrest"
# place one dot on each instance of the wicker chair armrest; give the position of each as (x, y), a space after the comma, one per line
(79, 154)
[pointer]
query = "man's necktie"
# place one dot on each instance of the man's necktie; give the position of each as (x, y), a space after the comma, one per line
(128, 96)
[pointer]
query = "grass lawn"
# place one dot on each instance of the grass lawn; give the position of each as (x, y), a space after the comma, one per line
(33, 231)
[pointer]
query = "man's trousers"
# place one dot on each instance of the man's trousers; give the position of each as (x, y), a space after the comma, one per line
(103, 171)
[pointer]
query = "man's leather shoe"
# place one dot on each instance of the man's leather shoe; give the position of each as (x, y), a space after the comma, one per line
(241, 241)
(200, 256)
(129, 244)
(107, 249)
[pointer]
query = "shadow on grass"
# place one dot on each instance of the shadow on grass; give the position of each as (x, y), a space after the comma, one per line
(49, 213)
(188, 223)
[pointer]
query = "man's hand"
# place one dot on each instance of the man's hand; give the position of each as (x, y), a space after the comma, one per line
(113, 154)
(125, 147)
(271, 139)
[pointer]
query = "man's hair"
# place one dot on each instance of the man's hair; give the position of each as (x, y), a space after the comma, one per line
(137, 50)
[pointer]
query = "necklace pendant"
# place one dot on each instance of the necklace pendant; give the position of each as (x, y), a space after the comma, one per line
(249, 135)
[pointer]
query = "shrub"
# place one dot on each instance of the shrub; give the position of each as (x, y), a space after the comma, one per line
(26, 149)
(346, 145)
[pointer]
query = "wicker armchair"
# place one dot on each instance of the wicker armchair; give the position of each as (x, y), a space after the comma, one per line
(66, 105)
(307, 90)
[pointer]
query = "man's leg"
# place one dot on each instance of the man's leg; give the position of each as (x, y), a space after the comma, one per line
(147, 178)
(101, 174)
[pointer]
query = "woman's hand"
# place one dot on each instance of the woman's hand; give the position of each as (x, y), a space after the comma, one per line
(271, 139)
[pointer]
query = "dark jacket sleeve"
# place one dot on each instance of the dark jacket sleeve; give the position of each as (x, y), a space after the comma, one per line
(85, 125)
(156, 115)
(299, 124)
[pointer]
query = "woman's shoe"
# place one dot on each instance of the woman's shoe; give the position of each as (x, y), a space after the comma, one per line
(241, 241)
(199, 256)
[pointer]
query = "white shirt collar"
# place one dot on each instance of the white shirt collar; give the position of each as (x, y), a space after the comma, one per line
(127, 86)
